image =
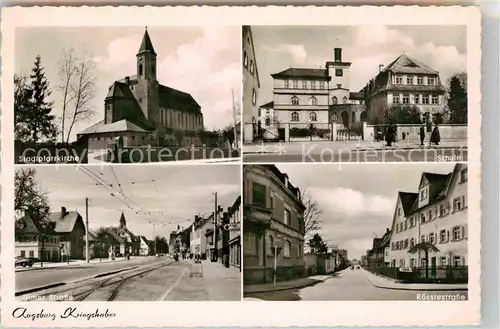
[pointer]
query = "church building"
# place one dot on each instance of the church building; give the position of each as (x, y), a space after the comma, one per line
(140, 111)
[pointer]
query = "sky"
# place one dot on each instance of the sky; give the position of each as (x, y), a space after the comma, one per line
(202, 61)
(357, 200)
(277, 48)
(178, 193)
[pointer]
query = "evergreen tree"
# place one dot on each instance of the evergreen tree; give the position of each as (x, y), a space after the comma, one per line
(457, 100)
(33, 118)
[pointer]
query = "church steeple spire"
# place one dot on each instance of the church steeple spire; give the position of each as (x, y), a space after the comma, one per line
(146, 44)
(123, 222)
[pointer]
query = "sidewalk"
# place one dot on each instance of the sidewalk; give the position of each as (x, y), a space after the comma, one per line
(307, 146)
(73, 263)
(222, 283)
(285, 285)
(386, 283)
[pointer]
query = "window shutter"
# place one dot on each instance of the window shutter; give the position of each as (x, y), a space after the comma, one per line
(463, 233)
(447, 235)
(463, 202)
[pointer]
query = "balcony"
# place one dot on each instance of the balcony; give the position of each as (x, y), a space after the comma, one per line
(257, 214)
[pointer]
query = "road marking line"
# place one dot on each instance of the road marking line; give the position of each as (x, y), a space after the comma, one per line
(176, 283)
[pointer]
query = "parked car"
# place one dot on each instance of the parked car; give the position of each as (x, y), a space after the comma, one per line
(22, 261)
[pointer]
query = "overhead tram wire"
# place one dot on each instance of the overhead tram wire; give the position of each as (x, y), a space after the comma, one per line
(126, 200)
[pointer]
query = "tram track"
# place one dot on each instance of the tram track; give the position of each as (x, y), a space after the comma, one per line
(116, 282)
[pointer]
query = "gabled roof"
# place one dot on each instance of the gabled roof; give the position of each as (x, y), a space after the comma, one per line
(115, 235)
(248, 31)
(118, 126)
(146, 44)
(26, 225)
(402, 65)
(405, 64)
(171, 98)
(269, 105)
(65, 223)
(294, 72)
(407, 201)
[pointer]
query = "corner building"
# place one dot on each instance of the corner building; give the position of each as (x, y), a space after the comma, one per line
(437, 214)
(272, 218)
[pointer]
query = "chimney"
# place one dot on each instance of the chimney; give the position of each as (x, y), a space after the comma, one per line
(63, 211)
(380, 67)
(337, 54)
(127, 80)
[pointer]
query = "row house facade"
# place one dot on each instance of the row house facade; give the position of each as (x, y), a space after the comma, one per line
(436, 214)
(34, 241)
(274, 225)
(407, 82)
(251, 86)
(234, 228)
(378, 256)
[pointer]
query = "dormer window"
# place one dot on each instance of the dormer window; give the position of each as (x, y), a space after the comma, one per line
(463, 176)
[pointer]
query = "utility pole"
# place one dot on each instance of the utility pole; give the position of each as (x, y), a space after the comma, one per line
(87, 229)
(154, 235)
(234, 119)
(215, 229)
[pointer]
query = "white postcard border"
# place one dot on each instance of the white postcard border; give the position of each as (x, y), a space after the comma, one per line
(247, 313)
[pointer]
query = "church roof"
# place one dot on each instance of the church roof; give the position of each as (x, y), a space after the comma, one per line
(118, 126)
(171, 98)
(146, 44)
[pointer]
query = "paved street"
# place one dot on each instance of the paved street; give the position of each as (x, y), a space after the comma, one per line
(147, 280)
(344, 285)
(36, 277)
(404, 155)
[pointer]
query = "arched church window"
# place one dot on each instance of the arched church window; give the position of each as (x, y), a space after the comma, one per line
(313, 116)
(295, 116)
(313, 100)
(140, 69)
(335, 100)
(345, 99)
(295, 100)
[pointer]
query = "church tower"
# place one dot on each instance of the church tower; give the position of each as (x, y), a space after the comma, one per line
(147, 86)
(123, 222)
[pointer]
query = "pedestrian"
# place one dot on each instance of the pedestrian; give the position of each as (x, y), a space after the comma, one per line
(435, 137)
(422, 135)
(389, 135)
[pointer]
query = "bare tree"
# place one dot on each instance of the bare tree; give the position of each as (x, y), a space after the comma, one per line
(83, 90)
(312, 214)
(67, 70)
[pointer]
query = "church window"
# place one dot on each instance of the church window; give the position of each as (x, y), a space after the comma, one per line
(334, 100)
(254, 97)
(252, 67)
(295, 116)
(140, 69)
(313, 116)
(345, 99)
(314, 101)
(295, 100)
(339, 72)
